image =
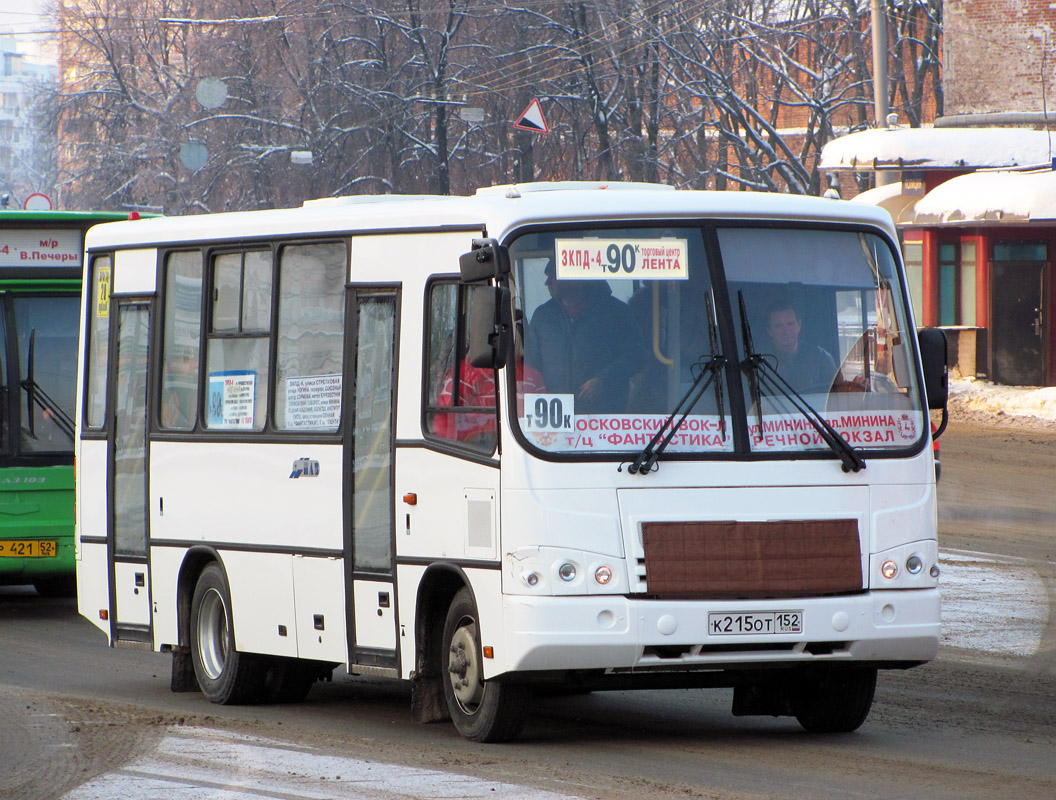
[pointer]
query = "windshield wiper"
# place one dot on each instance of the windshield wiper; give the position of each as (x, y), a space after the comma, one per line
(704, 374)
(762, 372)
(38, 397)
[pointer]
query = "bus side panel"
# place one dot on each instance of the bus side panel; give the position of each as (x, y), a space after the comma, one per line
(455, 514)
(91, 489)
(262, 609)
(93, 572)
(132, 593)
(408, 579)
(165, 563)
(250, 495)
(93, 594)
(319, 593)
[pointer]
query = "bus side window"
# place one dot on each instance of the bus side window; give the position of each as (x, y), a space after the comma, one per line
(98, 343)
(462, 409)
(310, 354)
(236, 360)
(182, 327)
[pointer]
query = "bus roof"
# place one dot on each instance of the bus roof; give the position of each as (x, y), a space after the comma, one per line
(18, 216)
(497, 209)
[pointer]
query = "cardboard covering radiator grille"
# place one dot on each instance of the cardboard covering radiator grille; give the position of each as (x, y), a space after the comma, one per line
(752, 559)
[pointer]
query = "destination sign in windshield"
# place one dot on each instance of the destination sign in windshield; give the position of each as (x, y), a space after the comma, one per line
(626, 259)
(40, 248)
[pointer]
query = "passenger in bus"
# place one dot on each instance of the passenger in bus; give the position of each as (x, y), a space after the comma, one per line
(477, 388)
(808, 367)
(585, 342)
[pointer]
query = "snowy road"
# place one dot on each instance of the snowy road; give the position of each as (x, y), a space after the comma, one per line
(992, 606)
(198, 763)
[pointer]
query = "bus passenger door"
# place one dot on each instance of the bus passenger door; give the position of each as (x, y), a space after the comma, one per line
(127, 501)
(369, 529)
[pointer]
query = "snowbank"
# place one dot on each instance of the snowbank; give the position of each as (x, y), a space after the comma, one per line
(984, 401)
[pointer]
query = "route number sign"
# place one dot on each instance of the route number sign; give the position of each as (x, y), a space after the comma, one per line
(621, 259)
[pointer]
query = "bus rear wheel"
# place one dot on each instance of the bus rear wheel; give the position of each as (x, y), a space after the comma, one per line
(837, 701)
(225, 675)
(483, 711)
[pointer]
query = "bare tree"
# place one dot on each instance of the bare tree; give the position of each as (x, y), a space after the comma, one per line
(702, 93)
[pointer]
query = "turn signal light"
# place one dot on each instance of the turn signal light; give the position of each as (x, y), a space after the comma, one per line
(104, 615)
(889, 569)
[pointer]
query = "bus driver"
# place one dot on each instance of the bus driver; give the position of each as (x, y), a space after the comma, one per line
(585, 341)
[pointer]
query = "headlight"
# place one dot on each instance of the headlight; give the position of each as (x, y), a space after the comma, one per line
(567, 571)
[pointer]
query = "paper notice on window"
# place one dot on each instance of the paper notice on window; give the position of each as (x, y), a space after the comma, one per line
(231, 399)
(622, 259)
(313, 401)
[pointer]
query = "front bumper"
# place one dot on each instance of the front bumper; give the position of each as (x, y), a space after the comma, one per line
(619, 633)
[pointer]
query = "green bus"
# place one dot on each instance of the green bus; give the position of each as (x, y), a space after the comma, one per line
(41, 255)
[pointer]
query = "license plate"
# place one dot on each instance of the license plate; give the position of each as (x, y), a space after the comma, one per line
(756, 623)
(13, 548)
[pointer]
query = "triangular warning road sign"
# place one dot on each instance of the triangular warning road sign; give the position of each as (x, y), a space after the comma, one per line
(532, 119)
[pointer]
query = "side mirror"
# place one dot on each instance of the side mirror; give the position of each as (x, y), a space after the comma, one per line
(488, 259)
(490, 324)
(935, 360)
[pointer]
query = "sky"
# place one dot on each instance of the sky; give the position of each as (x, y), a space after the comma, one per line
(21, 16)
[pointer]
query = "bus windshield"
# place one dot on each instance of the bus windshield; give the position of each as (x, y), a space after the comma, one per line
(46, 331)
(622, 332)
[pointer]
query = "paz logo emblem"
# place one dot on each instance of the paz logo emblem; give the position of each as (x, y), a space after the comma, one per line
(305, 468)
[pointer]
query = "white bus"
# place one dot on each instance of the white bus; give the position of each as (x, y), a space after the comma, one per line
(548, 437)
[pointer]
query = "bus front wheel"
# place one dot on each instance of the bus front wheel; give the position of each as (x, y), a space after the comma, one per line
(837, 701)
(225, 675)
(483, 711)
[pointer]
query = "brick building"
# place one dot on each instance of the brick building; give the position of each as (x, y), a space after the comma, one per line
(998, 56)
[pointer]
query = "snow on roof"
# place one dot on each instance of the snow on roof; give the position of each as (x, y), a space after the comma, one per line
(998, 196)
(937, 148)
(889, 198)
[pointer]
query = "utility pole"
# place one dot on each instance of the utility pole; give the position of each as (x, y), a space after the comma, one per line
(880, 82)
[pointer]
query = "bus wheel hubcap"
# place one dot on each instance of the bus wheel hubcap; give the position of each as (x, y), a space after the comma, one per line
(212, 634)
(464, 668)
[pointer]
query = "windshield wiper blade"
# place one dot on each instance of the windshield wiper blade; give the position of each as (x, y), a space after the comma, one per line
(646, 460)
(704, 373)
(749, 348)
(762, 371)
(713, 339)
(38, 397)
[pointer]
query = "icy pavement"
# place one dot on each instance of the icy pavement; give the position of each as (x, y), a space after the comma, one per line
(200, 763)
(992, 604)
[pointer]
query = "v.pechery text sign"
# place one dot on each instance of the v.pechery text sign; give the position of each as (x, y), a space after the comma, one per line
(40, 248)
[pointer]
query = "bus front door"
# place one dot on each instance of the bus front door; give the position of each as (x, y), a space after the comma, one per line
(127, 501)
(369, 529)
